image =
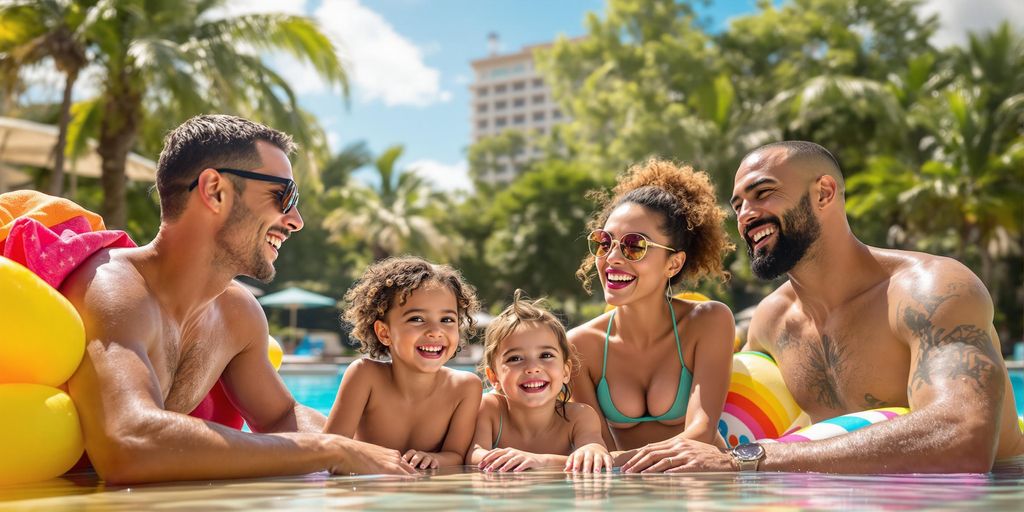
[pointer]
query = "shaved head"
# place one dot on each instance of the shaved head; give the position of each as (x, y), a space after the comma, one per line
(812, 158)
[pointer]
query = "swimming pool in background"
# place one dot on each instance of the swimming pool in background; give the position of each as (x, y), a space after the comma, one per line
(319, 391)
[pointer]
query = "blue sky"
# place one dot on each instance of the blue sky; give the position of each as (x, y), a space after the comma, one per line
(409, 61)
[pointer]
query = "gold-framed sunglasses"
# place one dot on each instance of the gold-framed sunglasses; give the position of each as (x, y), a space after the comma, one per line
(633, 246)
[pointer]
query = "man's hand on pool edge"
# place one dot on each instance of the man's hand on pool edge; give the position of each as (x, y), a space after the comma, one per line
(364, 458)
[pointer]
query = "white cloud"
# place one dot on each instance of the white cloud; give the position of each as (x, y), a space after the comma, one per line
(384, 65)
(240, 7)
(444, 177)
(957, 17)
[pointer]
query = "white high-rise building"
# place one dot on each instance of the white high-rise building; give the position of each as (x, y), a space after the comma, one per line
(509, 94)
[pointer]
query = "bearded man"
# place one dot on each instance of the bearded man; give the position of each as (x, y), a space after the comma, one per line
(857, 327)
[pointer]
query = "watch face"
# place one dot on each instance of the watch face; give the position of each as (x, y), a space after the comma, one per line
(751, 451)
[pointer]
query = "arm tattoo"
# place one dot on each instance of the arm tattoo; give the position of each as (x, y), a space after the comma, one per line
(966, 351)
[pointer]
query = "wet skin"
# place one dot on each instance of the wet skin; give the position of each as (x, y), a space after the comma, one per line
(643, 369)
(165, 321)
(413, 404)
(528, 375)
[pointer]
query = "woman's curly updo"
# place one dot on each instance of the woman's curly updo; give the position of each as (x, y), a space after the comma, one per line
(693, 221)
(389, 283)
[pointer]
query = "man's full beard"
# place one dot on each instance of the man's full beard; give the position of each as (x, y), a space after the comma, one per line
(791, 243)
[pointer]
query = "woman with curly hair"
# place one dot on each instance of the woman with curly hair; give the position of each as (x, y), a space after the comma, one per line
(657, 367)
(416, 313)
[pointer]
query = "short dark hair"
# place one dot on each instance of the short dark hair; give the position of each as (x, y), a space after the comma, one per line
(209, 141)
(797, 150)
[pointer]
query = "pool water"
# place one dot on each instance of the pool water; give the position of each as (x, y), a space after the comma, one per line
(464, 488)
(319, 391)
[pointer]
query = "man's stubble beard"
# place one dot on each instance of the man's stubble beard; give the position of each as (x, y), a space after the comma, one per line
(241, 251)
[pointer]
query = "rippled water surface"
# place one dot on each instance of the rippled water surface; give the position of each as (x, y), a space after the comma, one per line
(465, 488)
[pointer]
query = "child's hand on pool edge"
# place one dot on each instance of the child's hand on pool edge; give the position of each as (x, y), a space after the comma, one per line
(511, 459)
(420, 460)
(590, 458)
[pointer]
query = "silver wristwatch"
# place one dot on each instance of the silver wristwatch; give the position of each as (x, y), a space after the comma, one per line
(748, 456)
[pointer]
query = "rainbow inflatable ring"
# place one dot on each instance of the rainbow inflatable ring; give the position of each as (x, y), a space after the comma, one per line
(759, 407)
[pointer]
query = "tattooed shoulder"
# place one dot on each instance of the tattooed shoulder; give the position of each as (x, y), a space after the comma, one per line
(964, 350)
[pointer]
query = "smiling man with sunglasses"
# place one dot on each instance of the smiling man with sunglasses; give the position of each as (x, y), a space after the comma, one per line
(165, 322)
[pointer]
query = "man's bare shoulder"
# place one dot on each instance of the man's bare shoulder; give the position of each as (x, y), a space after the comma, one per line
(922, 274)
(770, 312)
(111, 294)
(934, 286)
(242, 312)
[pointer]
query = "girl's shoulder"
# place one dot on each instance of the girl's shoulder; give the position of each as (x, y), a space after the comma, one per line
(491, 403)
(463, 380)
(577, 412)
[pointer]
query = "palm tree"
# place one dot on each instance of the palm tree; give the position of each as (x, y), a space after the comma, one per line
(392, 216)
(175, 58)
(38, 29)
(964, 199)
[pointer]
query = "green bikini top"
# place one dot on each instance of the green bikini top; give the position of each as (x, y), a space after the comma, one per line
(678, 409)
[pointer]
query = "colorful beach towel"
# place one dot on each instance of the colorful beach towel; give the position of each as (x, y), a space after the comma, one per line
(48, 210)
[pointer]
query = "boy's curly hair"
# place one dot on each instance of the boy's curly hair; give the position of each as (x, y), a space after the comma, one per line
(389, 283)
(686, 200)
(524, 311)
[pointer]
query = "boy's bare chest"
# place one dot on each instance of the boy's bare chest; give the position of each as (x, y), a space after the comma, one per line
(396, 422)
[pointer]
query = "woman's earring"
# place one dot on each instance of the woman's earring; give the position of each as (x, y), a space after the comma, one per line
(668, 290)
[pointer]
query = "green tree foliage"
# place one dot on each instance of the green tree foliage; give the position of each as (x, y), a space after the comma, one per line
(538, 232)
(392, 216)
(164, 61)
(46, 29)
(491, 155)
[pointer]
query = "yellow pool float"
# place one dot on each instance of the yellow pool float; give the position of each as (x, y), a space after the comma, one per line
(42, 344)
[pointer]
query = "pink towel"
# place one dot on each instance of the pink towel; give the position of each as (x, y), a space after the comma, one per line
(52, 253)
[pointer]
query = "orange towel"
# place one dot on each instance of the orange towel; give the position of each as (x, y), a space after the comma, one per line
(46, 209)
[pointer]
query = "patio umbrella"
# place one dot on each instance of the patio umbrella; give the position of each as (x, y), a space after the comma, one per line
(295, 299)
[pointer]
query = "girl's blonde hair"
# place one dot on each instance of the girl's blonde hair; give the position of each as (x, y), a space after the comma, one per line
(524, 311)
(389, 283)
